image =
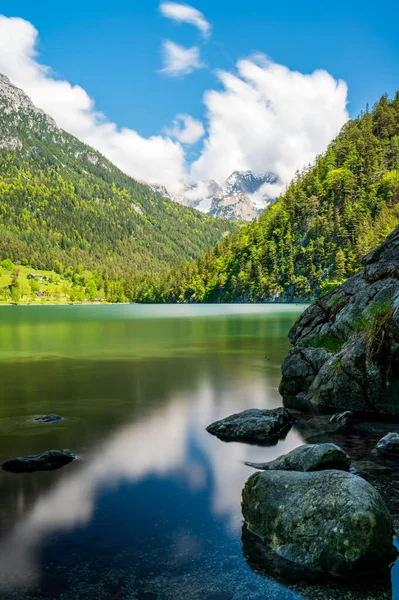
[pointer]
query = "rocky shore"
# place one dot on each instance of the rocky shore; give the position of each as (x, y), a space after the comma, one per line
(327, 512)
(346, 344)
(322, 519)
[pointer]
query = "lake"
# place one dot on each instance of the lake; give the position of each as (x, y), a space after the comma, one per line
(151, 508)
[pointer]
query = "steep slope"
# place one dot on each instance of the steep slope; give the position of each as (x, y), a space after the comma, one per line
(313, 236)
(63, 204)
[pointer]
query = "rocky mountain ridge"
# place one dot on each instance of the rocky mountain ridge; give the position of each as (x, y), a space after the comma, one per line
(17, 106)
(239, 197)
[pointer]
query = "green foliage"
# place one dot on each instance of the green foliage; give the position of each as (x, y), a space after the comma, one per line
(376, 328)
(375, 323)
(339, 267)
(15, 295)
(7, 264)
(91, 289)
(315, 234)
(328, 342)
(65, 208)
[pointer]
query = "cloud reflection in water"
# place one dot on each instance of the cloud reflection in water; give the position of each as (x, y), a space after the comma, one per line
(153, 446)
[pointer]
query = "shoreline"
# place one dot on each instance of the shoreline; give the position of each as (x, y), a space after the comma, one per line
(23, 304)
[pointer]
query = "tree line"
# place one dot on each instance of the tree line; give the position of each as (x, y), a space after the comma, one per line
(314, 236)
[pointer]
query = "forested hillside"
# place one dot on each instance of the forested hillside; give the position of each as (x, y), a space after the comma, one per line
(64, 207)
(314, 236)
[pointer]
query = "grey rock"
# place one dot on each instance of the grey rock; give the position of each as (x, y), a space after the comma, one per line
(51, 418)
(308, 584)
(299, 370)
(384, 261)
(344, 419)
(253, 425)
(389, 444)
(327, 521)
(346, 356)
(48, 461)
(310, 457)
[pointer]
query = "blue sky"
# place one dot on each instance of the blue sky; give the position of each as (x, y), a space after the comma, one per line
(114, 52)
(114, 49)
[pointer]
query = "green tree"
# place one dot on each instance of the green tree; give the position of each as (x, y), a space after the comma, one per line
(91, 289)
(15, 294)
(15, 277)
(340, 264)
(315, 234)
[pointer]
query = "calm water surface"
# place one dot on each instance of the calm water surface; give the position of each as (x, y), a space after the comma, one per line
(151, 510)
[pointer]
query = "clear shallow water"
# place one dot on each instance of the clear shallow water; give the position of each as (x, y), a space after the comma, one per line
(151, 510)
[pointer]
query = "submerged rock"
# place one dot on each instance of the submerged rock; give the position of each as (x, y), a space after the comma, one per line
(51, 418)
(326, 521)
(389, 444)
(344, 419)
(310, 457)
(369, 469)
(253, 425)
(308, 584)
(346, 353)
(48, 461)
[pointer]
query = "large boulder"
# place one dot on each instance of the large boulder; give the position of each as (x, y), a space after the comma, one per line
(327, 521)
(253, 425)
(48, 461)
(305, 583)
(310, 457)
(346, 344)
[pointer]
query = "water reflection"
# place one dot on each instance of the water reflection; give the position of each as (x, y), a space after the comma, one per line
(159, 445)
(151, 510)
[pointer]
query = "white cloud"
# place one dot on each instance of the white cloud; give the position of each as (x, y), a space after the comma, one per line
(186, 130)
(183, 13)
(179, 60)
(265, 118)
(269, 118)
(156, 159)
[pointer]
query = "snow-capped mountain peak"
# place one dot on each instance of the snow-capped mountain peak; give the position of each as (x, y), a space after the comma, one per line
(245, 182)
(240, 197)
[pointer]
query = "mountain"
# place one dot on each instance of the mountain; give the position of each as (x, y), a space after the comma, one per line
(239, 198)
(62, 204)
(315, 234)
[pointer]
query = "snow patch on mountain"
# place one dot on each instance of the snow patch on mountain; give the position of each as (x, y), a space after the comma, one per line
(243, 195)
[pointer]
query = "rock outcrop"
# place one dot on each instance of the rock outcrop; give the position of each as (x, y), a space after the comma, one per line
(48, 461)
(310, 457)
(253, 425)
(327, 521)
(346, 353)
